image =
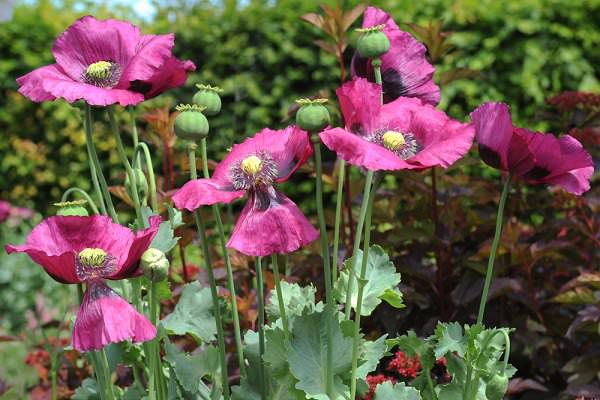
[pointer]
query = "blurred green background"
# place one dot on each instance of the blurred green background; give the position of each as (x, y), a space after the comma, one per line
(264, 57)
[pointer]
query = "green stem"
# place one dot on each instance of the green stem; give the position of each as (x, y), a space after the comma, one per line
(54, 376)
(430, 385)
(107, 386)
(357, 239)
(329, 312)
(338, 215)
(154, 344)
(261, 327)
(284, 320)
(361, 286)
(99, 183)
(135, 135)
(132, 179)
(230, 281)
(211, 279)
(143, 147)
(497, 236)
(84, 194)
(99, 372)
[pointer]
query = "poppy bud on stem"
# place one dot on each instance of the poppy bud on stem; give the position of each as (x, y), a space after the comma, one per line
(208, 97)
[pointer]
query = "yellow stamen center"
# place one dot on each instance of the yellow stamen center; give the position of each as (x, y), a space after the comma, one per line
(251, 165)
(92, 257)
(99, 70)
(393, 140)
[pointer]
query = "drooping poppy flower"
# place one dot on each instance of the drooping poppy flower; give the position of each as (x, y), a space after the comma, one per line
(534, 156)
(403, 134)
(90, 250)
(270, 222)
(105, 62)
(405, 71)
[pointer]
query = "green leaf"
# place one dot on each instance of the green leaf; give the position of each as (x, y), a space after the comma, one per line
(189, 369)
(193, 314)
(87, 391)
(164, 239)
(308, 352)
(296, 299)
(381, 281)
(450, 339)
(389, 391)
(134, 392)
(276, 352)
(371, 354)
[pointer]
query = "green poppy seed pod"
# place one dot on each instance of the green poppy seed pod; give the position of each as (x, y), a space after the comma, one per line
(155, 265)
(208, 96)
(191, 124)
(496, 387)
(373, 43)
(141, 183)
(312, 115)
(72, 208)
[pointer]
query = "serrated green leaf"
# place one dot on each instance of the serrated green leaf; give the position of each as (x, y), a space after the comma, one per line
(276, 352)
(87, 391)
(381, 281)
(164, 239)
(193, 314)
(296, 299)
(449, 337)
(190, 369)
(371, 354)
(308, 352)
(389, 391)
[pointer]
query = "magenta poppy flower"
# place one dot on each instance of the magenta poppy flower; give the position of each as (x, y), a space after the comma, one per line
(105, 62)
(405, 71)
(270, 222)
(90, 250)
(4, 210)
(403, 134)
(534, 156)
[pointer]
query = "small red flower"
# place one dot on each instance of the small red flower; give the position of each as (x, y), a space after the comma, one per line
(568, 101)
(405, 366)
(373, 381)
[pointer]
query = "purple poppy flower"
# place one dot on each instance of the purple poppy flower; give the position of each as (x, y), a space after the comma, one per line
(4, 210)
(105, 62)
(405, 71)
(270, 222)
(403, 134)
(90, 250)
(534, 156)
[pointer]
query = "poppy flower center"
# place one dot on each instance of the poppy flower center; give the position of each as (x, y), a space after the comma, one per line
(104, 74)
(402, 144)
(93, 263)
(254, 170)
(92, 257)
(393, 140)
(251, 165)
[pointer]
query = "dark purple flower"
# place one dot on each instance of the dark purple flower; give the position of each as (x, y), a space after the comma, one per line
(534, 156)
(90, 250)
(405, 70)
(105, 62)
(270, 222)
(403, 134)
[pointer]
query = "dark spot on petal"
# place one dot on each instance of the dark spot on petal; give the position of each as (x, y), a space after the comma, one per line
(357, 128)
(392, 85)
(360, 65)
(536, 173)
(140, 87)
(490, 157)
(264, 197)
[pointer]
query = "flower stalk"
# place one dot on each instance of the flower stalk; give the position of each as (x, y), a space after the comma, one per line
(211, 278)
(261, 327)
(338, 218)
(280, 302)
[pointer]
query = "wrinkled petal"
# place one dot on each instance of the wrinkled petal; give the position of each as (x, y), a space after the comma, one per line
(271, 223)
(104, 317)
(561, 161)
(205, 192)
(493, 127)
(55, 242)
(152, 53)
(405, 69)
(172, 74)
(360, 102)
(289, 147)
(89, 40)
(358, 151)
(31, 85)
(519, 157)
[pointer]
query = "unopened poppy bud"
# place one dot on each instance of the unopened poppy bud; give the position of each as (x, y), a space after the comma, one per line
(373, 42)
(141, 183)
(72, 208)
(208, 96)
(155, 265)
(191, 124)
(312, 115)
(496, 387)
